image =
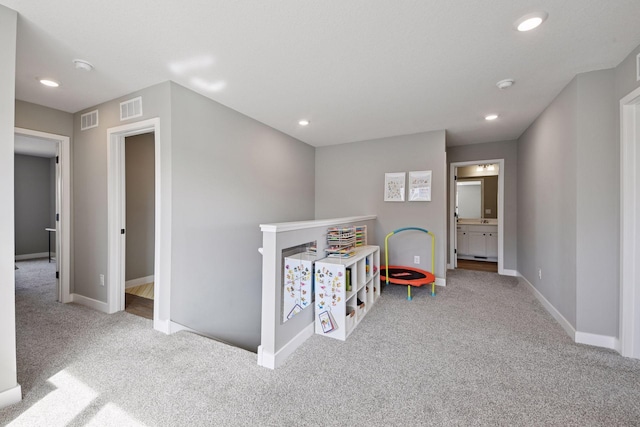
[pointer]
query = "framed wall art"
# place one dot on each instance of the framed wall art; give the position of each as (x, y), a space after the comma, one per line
(394, 185)
(420, 186)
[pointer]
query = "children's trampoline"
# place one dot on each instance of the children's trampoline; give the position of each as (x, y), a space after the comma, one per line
(409, 276)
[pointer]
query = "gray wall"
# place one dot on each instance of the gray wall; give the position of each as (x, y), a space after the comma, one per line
(140, 205)
(507, 150)
(90, 184)
(44, 119)
(8, 26)
(547, 206)
(598, 201)
(230, 174)
(33, 198)
(350, 181)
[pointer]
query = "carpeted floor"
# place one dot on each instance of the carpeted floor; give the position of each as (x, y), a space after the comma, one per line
(482, 352)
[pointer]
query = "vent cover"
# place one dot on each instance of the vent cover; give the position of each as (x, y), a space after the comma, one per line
(131, 108)
(89, 120)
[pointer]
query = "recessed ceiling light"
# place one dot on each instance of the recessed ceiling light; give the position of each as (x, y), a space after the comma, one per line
(81, 64)
(506, 83)
(530, 21)
(491, 117)
(50, 83)
(304, 122)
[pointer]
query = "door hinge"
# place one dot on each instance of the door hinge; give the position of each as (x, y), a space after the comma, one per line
(455, 177)
(57, 274)
(122, 231)
(57, 217)
(57, 159)
(455, 251)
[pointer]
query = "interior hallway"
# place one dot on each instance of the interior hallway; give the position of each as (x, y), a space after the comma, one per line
(482, 352)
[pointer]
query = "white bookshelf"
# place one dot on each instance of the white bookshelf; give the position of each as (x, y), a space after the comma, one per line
(339, 308)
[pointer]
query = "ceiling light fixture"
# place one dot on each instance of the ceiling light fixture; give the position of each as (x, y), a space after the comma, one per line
(49, 82)
(530, 21)
(491, 117)
(81, 64)
(304, 122)
(506, 83)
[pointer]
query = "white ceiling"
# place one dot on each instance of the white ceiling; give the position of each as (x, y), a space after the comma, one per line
(357, 69)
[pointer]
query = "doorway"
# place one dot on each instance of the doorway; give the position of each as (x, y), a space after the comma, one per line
(116, 241)
(54, 154)
(140, 224)
(629, 340)
(476, 231)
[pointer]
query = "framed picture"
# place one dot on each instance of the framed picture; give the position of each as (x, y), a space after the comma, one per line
(420, 186)
(394, 186)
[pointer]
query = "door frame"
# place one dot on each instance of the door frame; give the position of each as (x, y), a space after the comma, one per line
(629, 334)
(117, 221)
(63, 192)
(453, 261)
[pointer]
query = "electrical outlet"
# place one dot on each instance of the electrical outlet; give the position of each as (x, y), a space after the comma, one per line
(416, 259)
(540, 273)
(102, 280)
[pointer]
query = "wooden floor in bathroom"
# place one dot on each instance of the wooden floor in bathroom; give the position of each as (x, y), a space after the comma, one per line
(139, 300)
(466, 264)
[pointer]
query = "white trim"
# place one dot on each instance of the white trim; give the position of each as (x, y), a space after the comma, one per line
(116, 250)
(449, 266)
(11, 396)
(272, 361)
(32, 256)
(440, 281)
(90, 302)
(137, 282)
(452, 207)
(513, 273)
(596, 340)
(568, 328)
(177, 327)
(64, 224)
(300, 225)
(629, 335)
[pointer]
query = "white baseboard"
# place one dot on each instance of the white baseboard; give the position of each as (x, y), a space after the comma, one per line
(441, 282)
(272, 361)
(11, 396)
(449, 267)
(177, 327)
(569, 329)
(90, 302)
(597, 340)
(33, 256)
(506, 272)
(137, 282)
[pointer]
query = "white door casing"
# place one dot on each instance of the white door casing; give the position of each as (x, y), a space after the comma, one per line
(629, 334)
(63, 208)
(452, 206)
(116, 222)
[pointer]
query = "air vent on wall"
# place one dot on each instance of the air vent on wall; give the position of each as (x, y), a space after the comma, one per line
(131, 108)
(89, 120)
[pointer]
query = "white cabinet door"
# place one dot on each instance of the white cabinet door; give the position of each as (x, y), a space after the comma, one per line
(477, 243)
(463, 243)
(492, 245)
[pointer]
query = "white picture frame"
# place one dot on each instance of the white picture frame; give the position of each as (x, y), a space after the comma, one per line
(394, 186)
(420, 186)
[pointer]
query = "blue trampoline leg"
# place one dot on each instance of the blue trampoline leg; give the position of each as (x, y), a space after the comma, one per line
(409, 293)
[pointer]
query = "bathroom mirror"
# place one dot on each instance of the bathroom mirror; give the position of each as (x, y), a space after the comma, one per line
(477, 192)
